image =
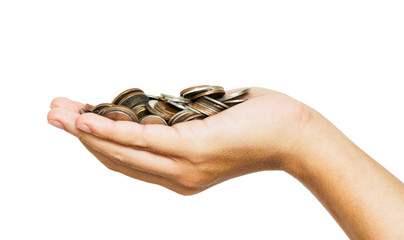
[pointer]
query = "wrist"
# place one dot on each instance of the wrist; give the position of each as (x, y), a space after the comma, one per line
(315, 141)
(288, 142)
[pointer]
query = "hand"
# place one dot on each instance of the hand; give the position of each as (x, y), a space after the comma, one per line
(190, 157)
(269, 131)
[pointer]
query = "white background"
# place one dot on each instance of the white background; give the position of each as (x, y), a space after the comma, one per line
(343, 58)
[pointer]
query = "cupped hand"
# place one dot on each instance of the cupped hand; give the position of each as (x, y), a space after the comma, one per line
(262, 133)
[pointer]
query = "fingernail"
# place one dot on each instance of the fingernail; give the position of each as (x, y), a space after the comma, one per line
(56, 124)
(84, 128)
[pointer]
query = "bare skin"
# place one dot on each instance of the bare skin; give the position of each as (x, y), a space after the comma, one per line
(271, 131)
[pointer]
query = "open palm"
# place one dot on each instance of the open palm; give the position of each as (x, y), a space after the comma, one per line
(192, 156)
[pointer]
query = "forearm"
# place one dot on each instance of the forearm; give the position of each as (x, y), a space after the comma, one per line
(363, 197)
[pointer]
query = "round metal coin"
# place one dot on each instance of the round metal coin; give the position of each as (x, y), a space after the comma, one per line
(89, 107)
(177, 105)
(234, 94)
(124, 94)
(204, 109)
(167, 98)
(194, 90)
(151, 107)
(152, 119)
(140, 111)
(177, 118)
(134, 99)
(194, 110)
(212, 93)
(166, 108)
(215, 102)
(101, 106)
(119, 113)
(194, 117)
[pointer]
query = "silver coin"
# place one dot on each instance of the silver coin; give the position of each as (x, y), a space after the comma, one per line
(177, 105)
(234, 94)
(167, 97)
(217, 103)
(176, 118)
(189, 107)
(197, 102)
(198, 90)
(209, 106)
(194, 91)
(153, 97)
(190, 89)
(124, 94)
(151, 107)
(205, 109)
(193, 117)
(134, 99)
(97, 109)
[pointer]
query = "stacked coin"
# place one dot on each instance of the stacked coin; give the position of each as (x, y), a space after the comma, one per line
(196, 102)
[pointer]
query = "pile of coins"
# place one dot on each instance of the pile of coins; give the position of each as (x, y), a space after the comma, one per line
(196, 102)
